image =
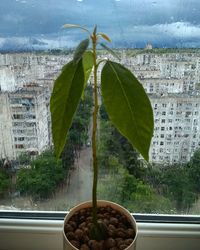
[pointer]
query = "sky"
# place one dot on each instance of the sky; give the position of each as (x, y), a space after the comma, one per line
(129, 23)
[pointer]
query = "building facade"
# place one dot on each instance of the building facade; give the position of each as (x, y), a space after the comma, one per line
(172, 82)
(26, 81)
(176, 127)
(24, 121)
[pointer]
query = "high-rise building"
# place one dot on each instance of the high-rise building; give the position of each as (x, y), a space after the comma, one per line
(172, 83)
(26, 80)
(24, 121)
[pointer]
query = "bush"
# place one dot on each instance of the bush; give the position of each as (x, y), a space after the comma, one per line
(44, 175)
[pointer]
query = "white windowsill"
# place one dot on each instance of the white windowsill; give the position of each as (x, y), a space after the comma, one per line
(30, 234)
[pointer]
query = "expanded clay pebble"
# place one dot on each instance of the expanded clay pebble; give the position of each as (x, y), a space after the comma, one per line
(120, 231)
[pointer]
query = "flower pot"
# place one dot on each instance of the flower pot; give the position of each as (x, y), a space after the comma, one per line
(68, 246)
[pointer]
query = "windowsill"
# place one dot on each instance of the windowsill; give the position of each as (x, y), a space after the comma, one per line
(38, 234)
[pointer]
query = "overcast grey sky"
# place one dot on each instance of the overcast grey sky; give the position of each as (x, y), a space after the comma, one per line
(130, 23)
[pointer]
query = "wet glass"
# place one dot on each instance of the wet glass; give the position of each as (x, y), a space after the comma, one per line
(157, 40)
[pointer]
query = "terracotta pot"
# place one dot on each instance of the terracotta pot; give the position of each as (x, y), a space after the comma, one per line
(68, 246)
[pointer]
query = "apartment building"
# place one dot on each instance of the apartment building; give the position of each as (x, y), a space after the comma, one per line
(17, 70)
(6, 138)
(176, 128)
(172, 83)
(24, 121)
(26, 81)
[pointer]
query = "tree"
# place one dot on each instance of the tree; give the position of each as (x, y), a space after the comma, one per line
(194, 170)
(122, 187)
(178, 186)
(44, 175)
(24, 159)
(4, 182)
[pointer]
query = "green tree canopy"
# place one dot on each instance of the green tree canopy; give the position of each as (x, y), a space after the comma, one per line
(41, 179)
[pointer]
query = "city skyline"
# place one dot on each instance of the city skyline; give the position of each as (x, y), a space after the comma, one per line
(170, 79)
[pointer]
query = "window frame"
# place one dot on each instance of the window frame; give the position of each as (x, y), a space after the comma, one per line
(36, 230)
(140, 218)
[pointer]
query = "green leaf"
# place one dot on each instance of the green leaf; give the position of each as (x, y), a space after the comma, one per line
(95, 30)
(104, 36)
(110, 51)
(80, 50)
(87, 65)
(64, 101)
(67, 25)
(128, 106)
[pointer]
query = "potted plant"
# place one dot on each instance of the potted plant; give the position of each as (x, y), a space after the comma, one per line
(93, 225)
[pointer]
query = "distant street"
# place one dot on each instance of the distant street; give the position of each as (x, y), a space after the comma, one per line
(78, 190)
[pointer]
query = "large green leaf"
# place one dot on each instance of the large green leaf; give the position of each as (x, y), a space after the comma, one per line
(65, 98)
(128, 106)
(87, 64)
(80, 50)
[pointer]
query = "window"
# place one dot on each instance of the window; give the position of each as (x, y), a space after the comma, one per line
(160, 48)
(18, 116)
(19, 138)
(19, 146)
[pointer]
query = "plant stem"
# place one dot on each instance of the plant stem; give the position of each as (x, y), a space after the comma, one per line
(94, 134)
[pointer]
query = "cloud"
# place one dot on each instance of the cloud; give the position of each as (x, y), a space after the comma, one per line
(12, 19)
(128, 22)
(37, 43)
(176, 34)
(180, 29)
(22, 43)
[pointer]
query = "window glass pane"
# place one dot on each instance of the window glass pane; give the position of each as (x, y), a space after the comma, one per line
(159, 42)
